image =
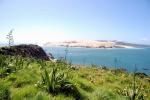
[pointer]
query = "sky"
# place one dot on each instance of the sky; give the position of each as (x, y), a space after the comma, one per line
(41, 21)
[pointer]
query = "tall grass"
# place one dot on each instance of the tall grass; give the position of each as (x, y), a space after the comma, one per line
(4, 91)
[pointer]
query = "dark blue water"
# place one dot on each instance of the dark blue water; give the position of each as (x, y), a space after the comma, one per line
(119, 58)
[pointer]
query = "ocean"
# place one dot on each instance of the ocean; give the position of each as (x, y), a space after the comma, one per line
(115, 57)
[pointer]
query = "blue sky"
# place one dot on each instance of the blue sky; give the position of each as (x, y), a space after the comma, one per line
(52, 20)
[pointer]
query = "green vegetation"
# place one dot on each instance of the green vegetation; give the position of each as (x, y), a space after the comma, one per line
(30, 79)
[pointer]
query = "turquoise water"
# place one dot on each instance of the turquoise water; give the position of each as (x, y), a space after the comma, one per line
(121, 58)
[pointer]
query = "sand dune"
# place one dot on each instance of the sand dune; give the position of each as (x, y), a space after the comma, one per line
(88, 44)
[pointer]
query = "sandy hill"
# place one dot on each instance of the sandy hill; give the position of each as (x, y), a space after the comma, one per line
(91, 44)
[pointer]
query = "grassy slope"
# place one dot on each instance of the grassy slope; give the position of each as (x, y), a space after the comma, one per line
(19, 79)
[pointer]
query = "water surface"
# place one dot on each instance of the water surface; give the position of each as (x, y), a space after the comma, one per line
(120, 58)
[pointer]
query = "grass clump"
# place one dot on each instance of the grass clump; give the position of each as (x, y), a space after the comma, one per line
(42, 96)
(4, 91)
(27, 92)
(100, 94)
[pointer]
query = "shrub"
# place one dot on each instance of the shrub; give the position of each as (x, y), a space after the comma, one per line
(10, 65)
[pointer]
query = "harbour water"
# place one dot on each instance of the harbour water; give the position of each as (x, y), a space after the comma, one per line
(119, 58)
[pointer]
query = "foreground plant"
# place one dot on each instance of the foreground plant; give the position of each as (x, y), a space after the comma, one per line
(57, 82)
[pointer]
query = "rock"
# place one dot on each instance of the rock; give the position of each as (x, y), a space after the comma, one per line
(32, 51)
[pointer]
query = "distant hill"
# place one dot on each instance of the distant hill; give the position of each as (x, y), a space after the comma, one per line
(132, 44)
(95, 44)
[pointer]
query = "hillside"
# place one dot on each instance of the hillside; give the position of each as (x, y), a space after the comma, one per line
(25, 78)
(94, 44)
(30, 79)
(31, 51)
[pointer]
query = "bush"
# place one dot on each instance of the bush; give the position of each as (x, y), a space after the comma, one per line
(9, 64)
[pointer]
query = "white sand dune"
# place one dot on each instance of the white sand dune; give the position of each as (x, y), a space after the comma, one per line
(88, 44)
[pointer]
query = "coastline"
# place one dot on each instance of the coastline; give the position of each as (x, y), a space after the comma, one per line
(123, 47)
